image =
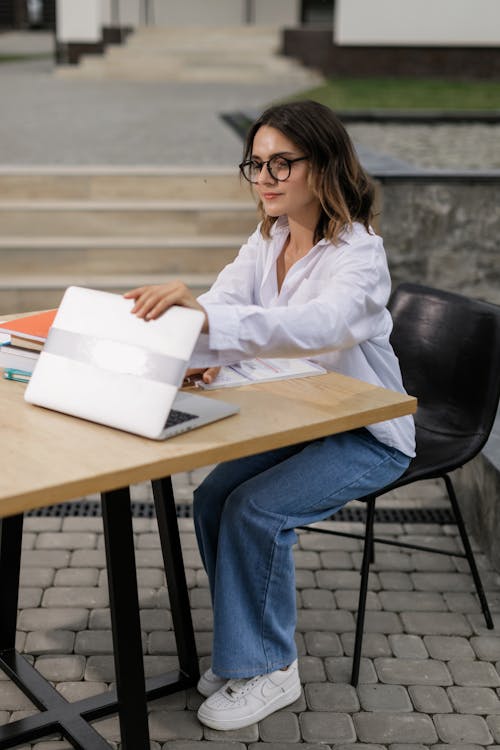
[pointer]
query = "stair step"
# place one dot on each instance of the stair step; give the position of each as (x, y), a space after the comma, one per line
(103, 255)
(24, 293)
(127, 183)
(154, 218)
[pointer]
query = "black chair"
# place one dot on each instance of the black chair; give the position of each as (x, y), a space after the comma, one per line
(449, 350)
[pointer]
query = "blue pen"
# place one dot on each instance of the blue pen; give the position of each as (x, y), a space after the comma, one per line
(22, 376)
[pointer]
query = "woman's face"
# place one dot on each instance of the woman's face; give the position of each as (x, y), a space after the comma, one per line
(292, 196)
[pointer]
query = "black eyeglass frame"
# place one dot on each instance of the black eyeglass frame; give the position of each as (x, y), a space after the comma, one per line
(288, 161)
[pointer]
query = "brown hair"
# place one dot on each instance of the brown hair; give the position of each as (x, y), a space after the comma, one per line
(337, 178)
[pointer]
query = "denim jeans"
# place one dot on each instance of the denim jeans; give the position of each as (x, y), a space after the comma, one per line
(245, 513)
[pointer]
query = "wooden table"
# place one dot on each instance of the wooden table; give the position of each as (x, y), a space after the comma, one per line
(50, 458)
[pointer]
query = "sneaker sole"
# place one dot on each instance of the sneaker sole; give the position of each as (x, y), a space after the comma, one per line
(206, 689)
(281, 700)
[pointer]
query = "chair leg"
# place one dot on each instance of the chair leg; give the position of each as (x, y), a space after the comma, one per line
(468, 551)
(363, 589)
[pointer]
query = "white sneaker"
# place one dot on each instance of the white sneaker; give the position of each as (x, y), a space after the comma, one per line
(209, 683)
(240, 703)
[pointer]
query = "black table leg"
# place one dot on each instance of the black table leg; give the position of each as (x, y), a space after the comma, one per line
(11, 533)
(125, 620)
(176, 578)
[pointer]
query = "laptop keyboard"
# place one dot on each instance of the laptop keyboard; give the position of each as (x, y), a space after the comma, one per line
(178, 417)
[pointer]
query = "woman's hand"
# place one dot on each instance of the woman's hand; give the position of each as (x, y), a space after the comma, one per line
(152, 301)
(207, 374)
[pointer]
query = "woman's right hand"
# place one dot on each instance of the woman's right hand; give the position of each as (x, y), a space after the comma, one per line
(207, 374)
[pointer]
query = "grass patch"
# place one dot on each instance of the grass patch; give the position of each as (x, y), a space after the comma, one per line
(24, 58)
(405, 93)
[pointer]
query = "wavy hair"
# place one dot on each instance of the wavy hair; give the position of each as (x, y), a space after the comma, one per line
(344, 190)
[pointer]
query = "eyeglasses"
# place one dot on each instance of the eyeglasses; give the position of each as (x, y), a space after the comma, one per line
(279, 168)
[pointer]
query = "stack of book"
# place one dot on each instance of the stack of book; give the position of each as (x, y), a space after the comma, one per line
(21, 341)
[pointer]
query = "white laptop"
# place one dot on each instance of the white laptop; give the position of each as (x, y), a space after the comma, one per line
(104, 364)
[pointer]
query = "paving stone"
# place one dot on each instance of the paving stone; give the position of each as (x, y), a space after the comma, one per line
(306, 560)
(408, 646)
(327, 727)
(319, 643)
(394, 727)
(486, 647)
(12, 698)
(337, 621)
(338, 669)
(395, 581)
(283, 726)
(81, 596)
(75, 691)
(324, 696)
(448, 647)
(305, 579)
(173, 725)
(200, 598)
(412, 672)
(423, 601)
(474, 700)
(247, 734)
(90, 642)
(432, 540)
(61, 668)
(91, 558)
(459, 729)
(311, 669)
(203, 619)
(66, 540)
(315, 541)
(441, 623)
(163, 642)
(424, 561)
(349, 600)
(383, 622)
(299, 642)
(336, 560)
(461, 602)
(451, 746)
(29, 597)
(473, 673)
(494, 726)
(101, 668)
(53, 618)
(359, 746)
(479, 626)
(317, 599)
(400, 561)
(200, 745)
(430, 699)
(409, 746)
(175, 702)
(442, 581)
(109, 728)
(149, 558)
(42, 523)
(374, 644)
(384, 698)
(39, 577)
(50, 642)
(345, 579)
(45, 558)
(76, 577)
(83, 523)
(148, 541)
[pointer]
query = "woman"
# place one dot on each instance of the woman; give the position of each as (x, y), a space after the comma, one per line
(311, 281)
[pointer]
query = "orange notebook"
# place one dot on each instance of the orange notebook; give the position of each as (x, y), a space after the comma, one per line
(32, 328)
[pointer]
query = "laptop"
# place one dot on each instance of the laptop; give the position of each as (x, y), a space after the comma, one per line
(104, 364)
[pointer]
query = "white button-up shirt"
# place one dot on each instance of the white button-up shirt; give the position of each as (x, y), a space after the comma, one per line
(331, 308)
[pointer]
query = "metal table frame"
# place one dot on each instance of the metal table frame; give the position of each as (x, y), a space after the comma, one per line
(129, 699)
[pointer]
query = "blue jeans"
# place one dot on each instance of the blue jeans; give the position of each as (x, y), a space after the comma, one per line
(245, 513)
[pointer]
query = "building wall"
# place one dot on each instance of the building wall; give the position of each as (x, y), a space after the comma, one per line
(79, 22)
(422, 23)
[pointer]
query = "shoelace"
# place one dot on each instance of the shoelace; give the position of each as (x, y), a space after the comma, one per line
(234, 687)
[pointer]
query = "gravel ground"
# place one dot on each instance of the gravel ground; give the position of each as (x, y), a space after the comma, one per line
(460, 146)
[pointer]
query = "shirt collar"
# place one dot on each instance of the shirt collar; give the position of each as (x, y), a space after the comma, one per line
(280, 227)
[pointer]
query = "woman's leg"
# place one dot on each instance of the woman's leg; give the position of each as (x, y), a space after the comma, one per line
(211, 495)
(253, 578)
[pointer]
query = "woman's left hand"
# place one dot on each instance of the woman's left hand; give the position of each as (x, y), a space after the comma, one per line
(152, 301)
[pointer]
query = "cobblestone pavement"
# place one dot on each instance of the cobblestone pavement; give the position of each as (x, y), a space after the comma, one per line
(429, 673)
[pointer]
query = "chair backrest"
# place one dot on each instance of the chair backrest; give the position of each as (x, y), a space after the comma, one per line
(448, 347)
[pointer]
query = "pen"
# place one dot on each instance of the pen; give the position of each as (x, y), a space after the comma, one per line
(22, 376)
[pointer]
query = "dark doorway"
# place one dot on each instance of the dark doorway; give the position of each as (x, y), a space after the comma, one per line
(317, 12)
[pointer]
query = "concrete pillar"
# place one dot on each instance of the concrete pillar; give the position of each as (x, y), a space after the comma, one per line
(78, 29)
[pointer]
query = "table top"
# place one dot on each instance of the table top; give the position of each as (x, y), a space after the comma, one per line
(48, 457)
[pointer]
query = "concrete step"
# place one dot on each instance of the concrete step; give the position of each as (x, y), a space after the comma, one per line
(132, 218)
(122, 183)
(110, 255)
(22, 293)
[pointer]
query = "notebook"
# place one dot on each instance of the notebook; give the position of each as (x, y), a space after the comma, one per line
(104, 364)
